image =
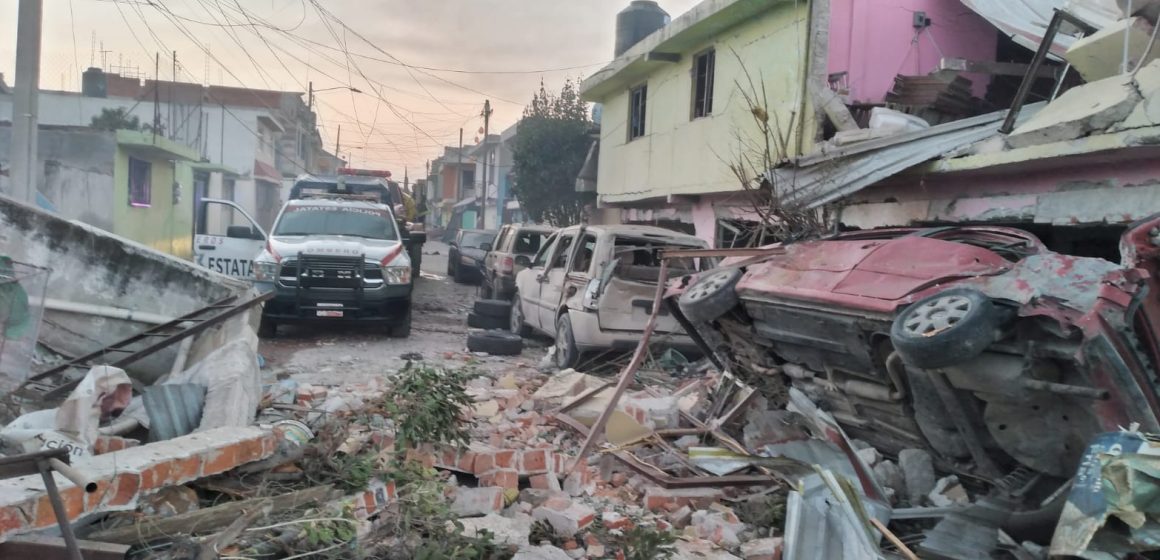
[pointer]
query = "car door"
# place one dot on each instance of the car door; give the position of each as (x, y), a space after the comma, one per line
(226, 238)
(529, 285)
(552, 282)
(489, 260)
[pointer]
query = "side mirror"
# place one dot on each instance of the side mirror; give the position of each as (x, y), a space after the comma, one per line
(485, 246)
(240, 232)
(523, 261)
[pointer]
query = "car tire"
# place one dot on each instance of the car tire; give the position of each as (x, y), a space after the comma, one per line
(459, 276)
(451, 264)
(267, 328)
(401, 330)
(486, 322)
(711, 295)
(567, 355)
(485, 291)
(516, 322)
(496, 343)
(493, 308)
(946, 328)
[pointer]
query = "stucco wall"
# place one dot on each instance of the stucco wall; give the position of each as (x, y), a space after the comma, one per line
(76, 172)
(97, 268)
(167, 224)
(683, 156)
(875, 41)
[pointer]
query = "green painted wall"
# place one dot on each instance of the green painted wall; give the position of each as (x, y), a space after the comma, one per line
(167, 224)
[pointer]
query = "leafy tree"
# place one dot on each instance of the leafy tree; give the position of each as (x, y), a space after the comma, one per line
(115, 119)
(548, 154)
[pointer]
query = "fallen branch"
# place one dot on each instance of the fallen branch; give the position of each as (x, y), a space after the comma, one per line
(212, 519)
(213, 546)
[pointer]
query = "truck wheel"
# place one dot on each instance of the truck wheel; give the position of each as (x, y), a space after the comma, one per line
(267, 328)
(711, 296)
(459, 276)
(567, 355)
(945, 328)
(517, 325)
(403, 329)
(486, 322)
(493, 308)
(496, 343)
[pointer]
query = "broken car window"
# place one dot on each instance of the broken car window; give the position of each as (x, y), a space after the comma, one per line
(584, 259)
(545, 251)
(529, 242)
(565, 248)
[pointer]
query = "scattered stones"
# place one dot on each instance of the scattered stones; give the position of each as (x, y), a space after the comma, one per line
(762, 549)
(948, 491)
(718, 527)
(566, 521)
(890, 476)
(514, 531)
(542, 552)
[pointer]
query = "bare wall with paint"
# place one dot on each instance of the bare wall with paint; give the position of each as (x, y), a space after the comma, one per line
(76, 171)
(95, 267)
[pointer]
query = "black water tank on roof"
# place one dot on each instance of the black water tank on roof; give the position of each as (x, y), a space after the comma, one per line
(639, 20)
(94, 83)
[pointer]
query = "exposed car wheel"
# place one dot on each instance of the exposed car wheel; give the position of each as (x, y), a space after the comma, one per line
(496, 343)
(517, 325)
(478, 321)
(403, 329)
(485, 291)
(493, 308)
(567, 355)
(451, 258)
(945, 328)
(459, 276)
(267, 328)
(711, 296)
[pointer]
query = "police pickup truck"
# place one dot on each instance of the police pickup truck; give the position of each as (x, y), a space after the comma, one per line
(334, 257)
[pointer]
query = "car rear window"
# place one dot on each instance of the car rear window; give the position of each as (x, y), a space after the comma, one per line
(476, 240)
(528, 243)
(369, 223)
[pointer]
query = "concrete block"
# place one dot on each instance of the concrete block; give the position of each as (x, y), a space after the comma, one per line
(918, 470)
(947, 492)
(1147, 112)
(1094, 106)
(664, 412)
(471, 502)
(717, 527)
(542, 552)
(566, 522)
(1100, 55)
(506, 531)
(762, 549)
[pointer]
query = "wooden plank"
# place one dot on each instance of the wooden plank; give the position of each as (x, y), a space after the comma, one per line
(43, 547)
(212, 519)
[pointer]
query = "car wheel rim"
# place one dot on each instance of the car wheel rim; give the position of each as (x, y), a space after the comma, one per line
(563, 349)
(937, 315)
(709, 286)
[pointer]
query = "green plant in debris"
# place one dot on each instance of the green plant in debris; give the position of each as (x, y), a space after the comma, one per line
(542, 532)
(328, 532)
(357, 471)
(763, 511)
(427, 406)
(644, 542)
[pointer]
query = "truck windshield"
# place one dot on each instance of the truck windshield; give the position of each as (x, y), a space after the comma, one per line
(337, 220)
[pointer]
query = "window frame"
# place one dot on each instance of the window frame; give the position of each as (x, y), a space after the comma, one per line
(637, 127)
(542, 257)
(134, 166)
(703, 107)
(563, 247)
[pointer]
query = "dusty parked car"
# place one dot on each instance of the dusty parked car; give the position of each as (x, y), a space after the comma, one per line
(512, 252)
(1001, 357)
(591, 288)
(465, 255)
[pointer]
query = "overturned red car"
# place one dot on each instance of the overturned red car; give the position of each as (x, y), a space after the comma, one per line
(999, 356)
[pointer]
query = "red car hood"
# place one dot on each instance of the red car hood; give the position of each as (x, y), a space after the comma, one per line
(873, 275)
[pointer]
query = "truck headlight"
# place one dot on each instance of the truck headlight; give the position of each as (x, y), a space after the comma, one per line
(397, 275)
(265, 269)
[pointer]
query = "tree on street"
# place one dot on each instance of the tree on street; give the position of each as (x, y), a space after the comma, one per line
(115, 119)
(548, 154)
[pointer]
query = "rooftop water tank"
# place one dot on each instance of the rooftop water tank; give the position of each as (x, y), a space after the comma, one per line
(639, 20)
(94, 83)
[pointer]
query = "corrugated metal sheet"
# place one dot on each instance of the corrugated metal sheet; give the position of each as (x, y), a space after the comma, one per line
(1025, 21)
(174, 410)
(828, 176)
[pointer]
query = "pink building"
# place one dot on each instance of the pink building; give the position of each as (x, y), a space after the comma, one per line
(873, 41)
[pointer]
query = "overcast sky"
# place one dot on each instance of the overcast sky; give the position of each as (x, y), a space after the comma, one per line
(432, 61)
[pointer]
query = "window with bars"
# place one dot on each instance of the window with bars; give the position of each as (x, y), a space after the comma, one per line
(140, 183)
(703, 67)
(638, 98)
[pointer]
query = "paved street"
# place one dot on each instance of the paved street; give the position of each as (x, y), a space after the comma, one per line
(329, 354)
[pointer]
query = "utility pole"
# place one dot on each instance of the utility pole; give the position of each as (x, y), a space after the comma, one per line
(486, 157)
(156, 95)
(337, 138)
(23, 155)
(459, 168)
(172, 107)
(309, 96)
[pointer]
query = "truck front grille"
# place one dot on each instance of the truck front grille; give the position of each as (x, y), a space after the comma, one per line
(329, 272)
